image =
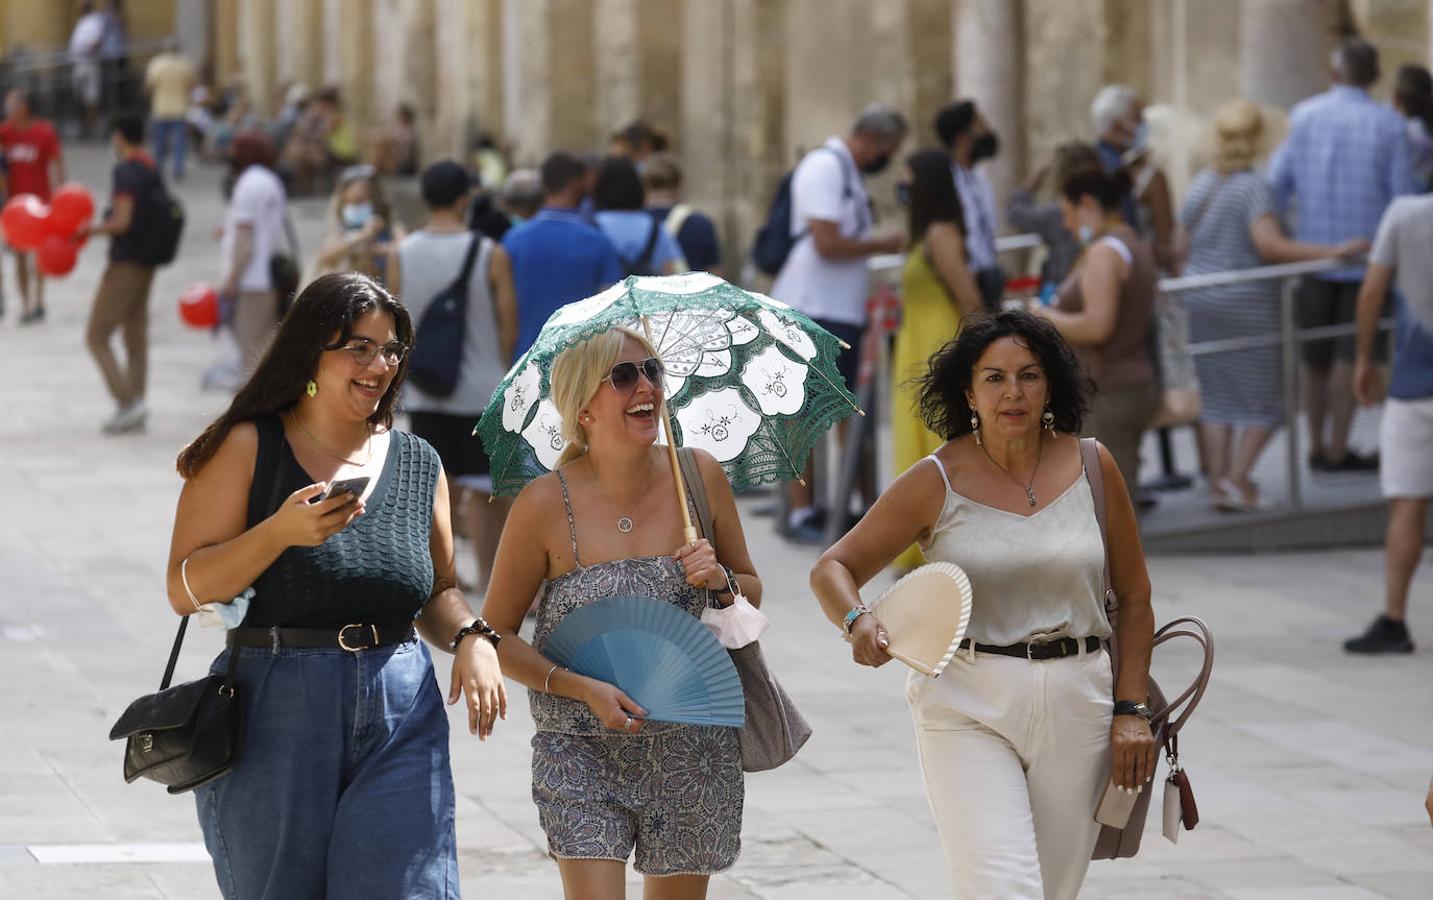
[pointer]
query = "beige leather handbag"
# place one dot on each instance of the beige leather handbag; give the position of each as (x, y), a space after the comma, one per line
(1122, 843)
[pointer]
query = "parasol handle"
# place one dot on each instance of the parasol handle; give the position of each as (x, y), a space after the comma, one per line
(689, 532)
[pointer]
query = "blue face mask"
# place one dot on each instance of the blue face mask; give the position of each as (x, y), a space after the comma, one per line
(1086, 234)
(356, 215)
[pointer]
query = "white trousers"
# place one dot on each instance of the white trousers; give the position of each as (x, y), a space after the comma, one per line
(1015, 755)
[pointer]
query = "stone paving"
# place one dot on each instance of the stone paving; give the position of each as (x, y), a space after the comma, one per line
(1310, 766)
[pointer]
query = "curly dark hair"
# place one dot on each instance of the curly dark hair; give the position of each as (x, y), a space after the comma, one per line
(941, 391)
(320, 319)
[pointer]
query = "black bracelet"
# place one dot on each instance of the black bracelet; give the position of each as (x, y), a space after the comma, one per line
(1133, 708)
(479, 626)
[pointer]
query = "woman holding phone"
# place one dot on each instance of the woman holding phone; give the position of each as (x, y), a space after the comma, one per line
(605, 781)
(343, 786)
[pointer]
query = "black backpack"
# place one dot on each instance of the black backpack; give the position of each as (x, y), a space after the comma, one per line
(437, 353)
(774, 239)
(642, 265)
(161, 225)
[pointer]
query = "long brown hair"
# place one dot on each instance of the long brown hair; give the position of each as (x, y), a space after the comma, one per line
(321, 319)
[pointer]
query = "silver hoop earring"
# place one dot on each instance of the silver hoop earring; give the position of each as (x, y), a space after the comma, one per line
(1048, 419)
(975, 428)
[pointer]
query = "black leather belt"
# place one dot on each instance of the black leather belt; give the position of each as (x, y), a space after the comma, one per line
(350, 637)
(1056, 649)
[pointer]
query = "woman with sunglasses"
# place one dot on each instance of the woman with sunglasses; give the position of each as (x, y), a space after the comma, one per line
(343, 786)
(604, 780)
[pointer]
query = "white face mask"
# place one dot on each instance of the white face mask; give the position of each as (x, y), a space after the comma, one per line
(356, 215)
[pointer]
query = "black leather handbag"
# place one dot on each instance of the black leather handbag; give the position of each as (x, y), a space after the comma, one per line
(186, 735)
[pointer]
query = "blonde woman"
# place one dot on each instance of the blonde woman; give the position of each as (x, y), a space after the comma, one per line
(362, 236)
(604, 780)
(1232, 223)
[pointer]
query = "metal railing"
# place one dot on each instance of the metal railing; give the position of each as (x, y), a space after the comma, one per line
(48, 76)
(1289, 337)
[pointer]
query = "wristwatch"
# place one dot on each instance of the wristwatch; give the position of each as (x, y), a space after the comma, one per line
(1133, 708)
(479, 626)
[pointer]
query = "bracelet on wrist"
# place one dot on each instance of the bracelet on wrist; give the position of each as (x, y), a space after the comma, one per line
(860, 609)
(1133, 708)
(547, 682)
(479, 627)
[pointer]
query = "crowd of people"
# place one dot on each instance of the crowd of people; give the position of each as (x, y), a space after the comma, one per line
(986, 388)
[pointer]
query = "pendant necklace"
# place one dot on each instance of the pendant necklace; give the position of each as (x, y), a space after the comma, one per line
(367, 445)
(624, 521)
(1028, 486)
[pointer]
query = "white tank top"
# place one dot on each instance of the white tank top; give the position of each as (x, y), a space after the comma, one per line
(1032, 578)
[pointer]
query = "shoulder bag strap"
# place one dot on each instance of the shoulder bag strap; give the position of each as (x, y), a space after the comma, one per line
(174, 653)
(1090, 455)
(460, 286)
(643, 263)
(692, 475)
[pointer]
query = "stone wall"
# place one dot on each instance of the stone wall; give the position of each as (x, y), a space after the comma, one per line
(742, 86)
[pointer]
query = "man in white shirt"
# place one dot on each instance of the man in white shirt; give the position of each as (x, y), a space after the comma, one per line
(970, 140)
(85, 43)
(254, 230)
(825, 276)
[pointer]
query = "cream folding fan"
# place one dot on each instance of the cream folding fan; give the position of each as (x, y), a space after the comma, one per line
(925, 615)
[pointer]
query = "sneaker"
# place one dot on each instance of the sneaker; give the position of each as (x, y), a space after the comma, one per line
(1352, 462)
(1385, 635)
(129, 418)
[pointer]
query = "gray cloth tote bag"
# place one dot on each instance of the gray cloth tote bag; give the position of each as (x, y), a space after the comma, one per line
(774, 729)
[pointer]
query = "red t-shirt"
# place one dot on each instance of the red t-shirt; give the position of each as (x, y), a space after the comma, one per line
(28, 152)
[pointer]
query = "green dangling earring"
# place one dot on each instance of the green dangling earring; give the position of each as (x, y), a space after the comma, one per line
(312, 388)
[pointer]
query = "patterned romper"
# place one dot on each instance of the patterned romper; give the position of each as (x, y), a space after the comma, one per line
(673, 791)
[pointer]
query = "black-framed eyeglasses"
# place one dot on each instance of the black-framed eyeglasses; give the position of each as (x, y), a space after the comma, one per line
(624, 375)
(364, 352)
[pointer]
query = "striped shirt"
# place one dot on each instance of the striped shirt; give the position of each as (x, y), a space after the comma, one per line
(1344, 161)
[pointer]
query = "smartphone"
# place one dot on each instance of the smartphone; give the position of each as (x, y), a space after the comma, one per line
(1115, 806)
(354, 486)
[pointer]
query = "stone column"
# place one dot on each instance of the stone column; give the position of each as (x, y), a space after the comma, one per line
(930, 64)
(570, 74)
(257, 53)
(661, 63)
(732, 110)
(458, 53)
(193, 24)
(348, 63)
(989, 55)
(616, 54)
(1284, 49)
(526, 94)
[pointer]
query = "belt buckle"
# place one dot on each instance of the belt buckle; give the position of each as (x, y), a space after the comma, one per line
(343, 644)
(1030, 651)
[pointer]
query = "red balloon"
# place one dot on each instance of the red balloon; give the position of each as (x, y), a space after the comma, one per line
(25, 221)
(70, 207)
(199, 306)
(56, 255)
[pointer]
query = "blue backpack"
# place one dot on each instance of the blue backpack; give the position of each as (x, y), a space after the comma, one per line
(774, 239)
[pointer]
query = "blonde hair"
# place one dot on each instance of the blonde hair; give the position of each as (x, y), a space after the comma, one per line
(1238, 127)
(576, 375)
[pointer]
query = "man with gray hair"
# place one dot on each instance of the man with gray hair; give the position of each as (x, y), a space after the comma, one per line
(1345, 159)
(825, 274)
(1117, 113)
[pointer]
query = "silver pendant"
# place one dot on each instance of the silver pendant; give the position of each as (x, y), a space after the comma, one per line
(1030, 495)
(624, 524)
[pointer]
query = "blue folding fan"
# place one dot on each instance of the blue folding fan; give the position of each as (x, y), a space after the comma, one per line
(660, 656)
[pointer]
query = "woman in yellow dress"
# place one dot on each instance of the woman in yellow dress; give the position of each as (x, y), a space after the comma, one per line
(938, 291)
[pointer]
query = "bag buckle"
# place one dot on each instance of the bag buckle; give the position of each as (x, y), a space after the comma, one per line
(343, 643)
(146, 742)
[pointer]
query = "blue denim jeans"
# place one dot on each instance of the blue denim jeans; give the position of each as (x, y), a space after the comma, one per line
(166, 133)
(343, 787)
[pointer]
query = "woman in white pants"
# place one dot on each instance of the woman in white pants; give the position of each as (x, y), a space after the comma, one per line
(1027, 724)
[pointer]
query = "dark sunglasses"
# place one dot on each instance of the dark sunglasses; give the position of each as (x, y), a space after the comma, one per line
(624, 375)
(364, 352)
